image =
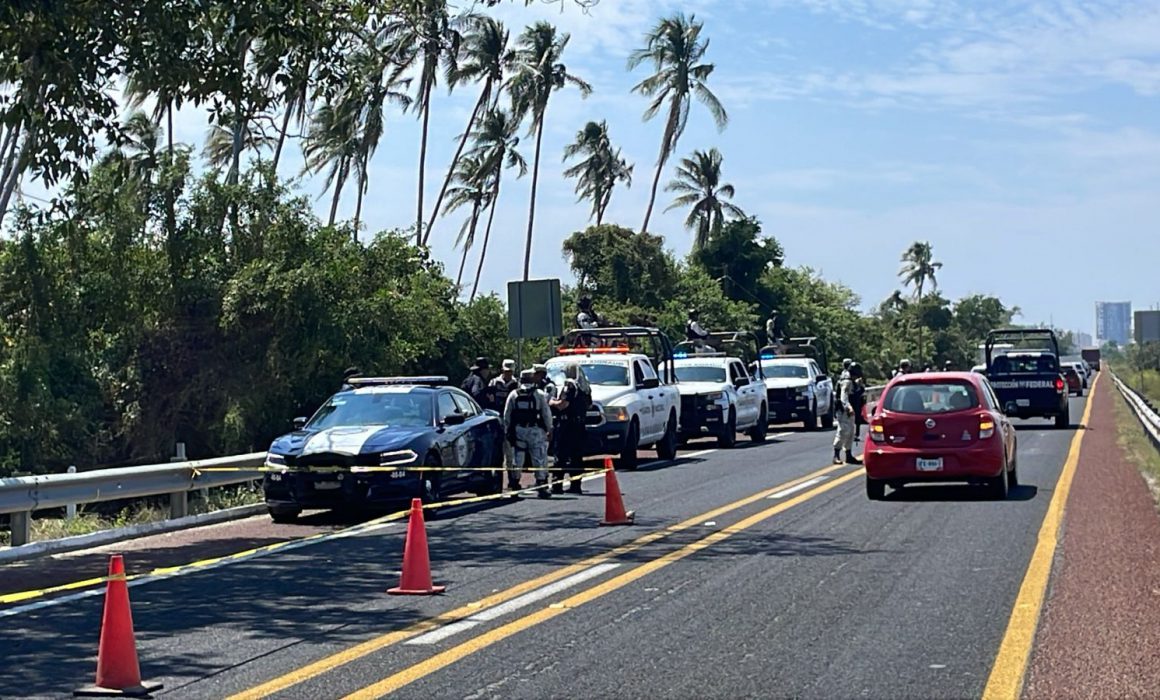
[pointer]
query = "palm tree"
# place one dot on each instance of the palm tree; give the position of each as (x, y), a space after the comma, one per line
(494, 142)
(538, 74)
(332, 144)
(674, 47)
(471, 188)
(220, 143)
(919, 268)
(485, 59)
(596, 175)
(698, 185)
(423, 36)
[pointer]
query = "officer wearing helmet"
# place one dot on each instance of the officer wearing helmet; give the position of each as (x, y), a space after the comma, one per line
(528, 422)
(694, 331)
(903, 368)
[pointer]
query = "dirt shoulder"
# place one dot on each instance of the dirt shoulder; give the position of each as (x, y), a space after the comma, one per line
(1099, 636)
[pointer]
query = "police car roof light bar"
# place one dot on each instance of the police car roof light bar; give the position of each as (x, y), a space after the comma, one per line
(397, 381)
(616, 350)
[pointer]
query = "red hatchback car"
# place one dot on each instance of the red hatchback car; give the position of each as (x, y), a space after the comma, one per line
(939, 426)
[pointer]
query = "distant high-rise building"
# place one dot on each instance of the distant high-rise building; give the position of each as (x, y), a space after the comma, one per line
(1084, 340)
(1113, 322)
(1147, 326)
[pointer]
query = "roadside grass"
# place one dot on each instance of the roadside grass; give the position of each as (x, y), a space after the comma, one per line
(86, 522)
(1146, 382)
(1137, 446)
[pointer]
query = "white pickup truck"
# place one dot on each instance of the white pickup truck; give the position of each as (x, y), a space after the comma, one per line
(632, 408)
(720, 398)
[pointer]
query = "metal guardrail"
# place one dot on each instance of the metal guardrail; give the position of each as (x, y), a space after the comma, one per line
(21, 496)
(1145, 413)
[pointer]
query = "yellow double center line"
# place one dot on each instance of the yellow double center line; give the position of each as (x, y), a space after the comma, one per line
(414, 673)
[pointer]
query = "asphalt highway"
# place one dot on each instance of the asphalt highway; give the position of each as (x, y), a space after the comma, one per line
(761, 571)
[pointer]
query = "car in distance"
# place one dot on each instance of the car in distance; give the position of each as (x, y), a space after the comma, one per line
(1028, 380)
(1074, 379)
(361, 447)
(940, 427)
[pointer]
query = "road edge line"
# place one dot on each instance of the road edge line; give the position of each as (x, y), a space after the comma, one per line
(1005, 681)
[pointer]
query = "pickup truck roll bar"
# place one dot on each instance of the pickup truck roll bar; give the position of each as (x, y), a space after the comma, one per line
(623, 339)
(743, 345)
(1018, 335)
(805, 346)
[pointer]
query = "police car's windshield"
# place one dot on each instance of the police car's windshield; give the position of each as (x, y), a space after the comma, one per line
(700, 374)
(394, 410)
(784, 371)
(597, 374)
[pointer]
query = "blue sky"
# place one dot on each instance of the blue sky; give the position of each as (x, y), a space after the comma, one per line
(1022, 139)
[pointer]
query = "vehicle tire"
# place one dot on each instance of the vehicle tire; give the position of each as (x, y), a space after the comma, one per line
(628, 459)
(432, 493)
(1013, 472)
(999, 486)
(759, 432)
(828, 419)
(728, 436)
(493, 484)
(284, 516)
(1063, 420)
(811, 421)
(875, 489)
(667, 447)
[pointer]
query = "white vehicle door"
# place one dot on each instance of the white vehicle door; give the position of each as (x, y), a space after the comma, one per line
(643, 377)
(748, 402)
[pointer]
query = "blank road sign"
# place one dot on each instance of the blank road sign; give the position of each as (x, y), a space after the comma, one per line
(535, 309)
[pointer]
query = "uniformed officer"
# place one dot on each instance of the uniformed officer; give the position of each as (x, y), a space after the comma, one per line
(949, 366)
(903, 368)
(844, 437)
(528, 422)
(503, 384)
(693, 330)
(541, 376)
(857, 398)
(772, 329)
(569, 408)
(350, 373)
(845, 369)
(477, 383)
(587, 317)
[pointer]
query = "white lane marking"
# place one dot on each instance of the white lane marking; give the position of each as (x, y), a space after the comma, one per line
(800, 487)
(185, 570)
(438, 635)
(779, 435)
(702, 453)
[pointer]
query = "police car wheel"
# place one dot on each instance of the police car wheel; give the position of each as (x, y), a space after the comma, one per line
(1063, 420)
(284, 515)
(667, 447)
(627, 459)
(728, 436)
(759, 431)
(810, 422)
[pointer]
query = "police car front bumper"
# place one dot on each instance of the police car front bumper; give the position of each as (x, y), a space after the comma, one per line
(605, 439)
(307, 490)
(701, 417)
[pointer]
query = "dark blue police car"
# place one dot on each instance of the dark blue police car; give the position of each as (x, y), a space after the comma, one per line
(356, 449)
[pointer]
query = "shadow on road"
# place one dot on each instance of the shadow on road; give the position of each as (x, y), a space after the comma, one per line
(957, 492)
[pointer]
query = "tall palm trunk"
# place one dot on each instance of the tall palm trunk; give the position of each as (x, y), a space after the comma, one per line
(483, 96)
(466, 246)
(667, 146)
(362, 188)
(486, 237)
(170, 210)
(532, 206)
(340, 180)
(281, 139)
(420, 239)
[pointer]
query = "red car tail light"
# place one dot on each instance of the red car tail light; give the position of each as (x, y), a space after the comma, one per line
(877, 432)
(1060, 385)
(986, 427)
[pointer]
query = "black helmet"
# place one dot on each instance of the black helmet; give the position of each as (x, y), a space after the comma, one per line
(693, 311)
(855, 369)
(585, 302)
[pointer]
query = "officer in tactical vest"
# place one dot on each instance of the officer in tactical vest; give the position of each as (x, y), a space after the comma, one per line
(569, 407)
(528, 421)
(693, 330)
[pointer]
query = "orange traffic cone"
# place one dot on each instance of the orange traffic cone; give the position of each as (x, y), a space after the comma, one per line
(118, 673)
(416, 565)
(614, 513)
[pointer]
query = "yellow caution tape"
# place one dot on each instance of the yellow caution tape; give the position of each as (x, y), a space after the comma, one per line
(9, 598)
(363, 470)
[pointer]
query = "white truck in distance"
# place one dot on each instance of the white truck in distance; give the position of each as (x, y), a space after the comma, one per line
(797, 389)
(631, 408)
(719, 398)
